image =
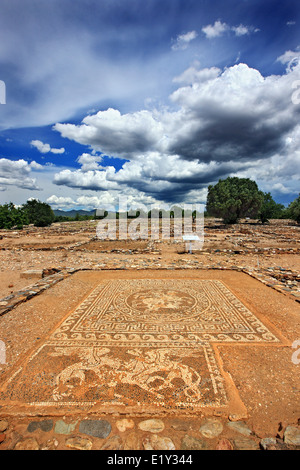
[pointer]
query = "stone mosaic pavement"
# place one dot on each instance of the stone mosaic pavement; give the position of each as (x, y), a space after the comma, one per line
(141, 350)
(143, 343)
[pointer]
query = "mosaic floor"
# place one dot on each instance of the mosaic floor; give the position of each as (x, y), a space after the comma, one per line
(138, 343)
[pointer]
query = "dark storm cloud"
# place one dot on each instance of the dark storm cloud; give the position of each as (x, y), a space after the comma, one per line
(228, 138)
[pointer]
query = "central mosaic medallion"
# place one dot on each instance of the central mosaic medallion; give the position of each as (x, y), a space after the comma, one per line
(163, 302)
(140, 343)
(152, 306)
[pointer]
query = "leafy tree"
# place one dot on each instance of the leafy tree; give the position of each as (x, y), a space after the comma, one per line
(12, 217)
(270, 209)
(77, 217)
(100, 217)
(234, 198)
(39, 213)
(294, 209)
(62, 218)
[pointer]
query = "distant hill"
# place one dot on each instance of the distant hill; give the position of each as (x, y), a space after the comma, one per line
(72, 213)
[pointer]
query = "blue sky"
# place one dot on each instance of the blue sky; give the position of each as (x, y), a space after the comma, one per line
(153, 100)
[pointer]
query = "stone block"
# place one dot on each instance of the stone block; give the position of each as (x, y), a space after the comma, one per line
(32, 274)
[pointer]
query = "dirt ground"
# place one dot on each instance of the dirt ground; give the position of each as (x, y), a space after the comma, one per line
(261, 379)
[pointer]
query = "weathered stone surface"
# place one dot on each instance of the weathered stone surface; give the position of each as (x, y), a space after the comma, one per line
(32, 274)
(51, 444)
(211, 428)
(2, 437)
(50, 271)
(79, 443)
(27, 444)
(147, 444)
(64, 428)
(245, 444)
(292, 435)
(95, 428)
(113, 443)
(124, 424)
(240, 427)
(180, 425)
(3, 425)
(268, 443)
(193, 443)
(33, 426)
(46, 425)
(224, 444)
(151, 425)
(132, 442)
(155, 442)
(235, 417)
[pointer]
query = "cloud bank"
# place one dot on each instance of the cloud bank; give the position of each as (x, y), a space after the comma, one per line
(226, 122)
(18, 173)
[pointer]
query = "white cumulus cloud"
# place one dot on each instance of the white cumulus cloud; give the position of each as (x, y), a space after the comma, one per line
(241, 30)
(112, 133)
(182, 41)
(45, 148)
(18, 173)
(216, 30)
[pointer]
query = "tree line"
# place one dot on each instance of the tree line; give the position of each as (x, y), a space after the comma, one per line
(33, 212)
(231, 200)
(235, 198)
